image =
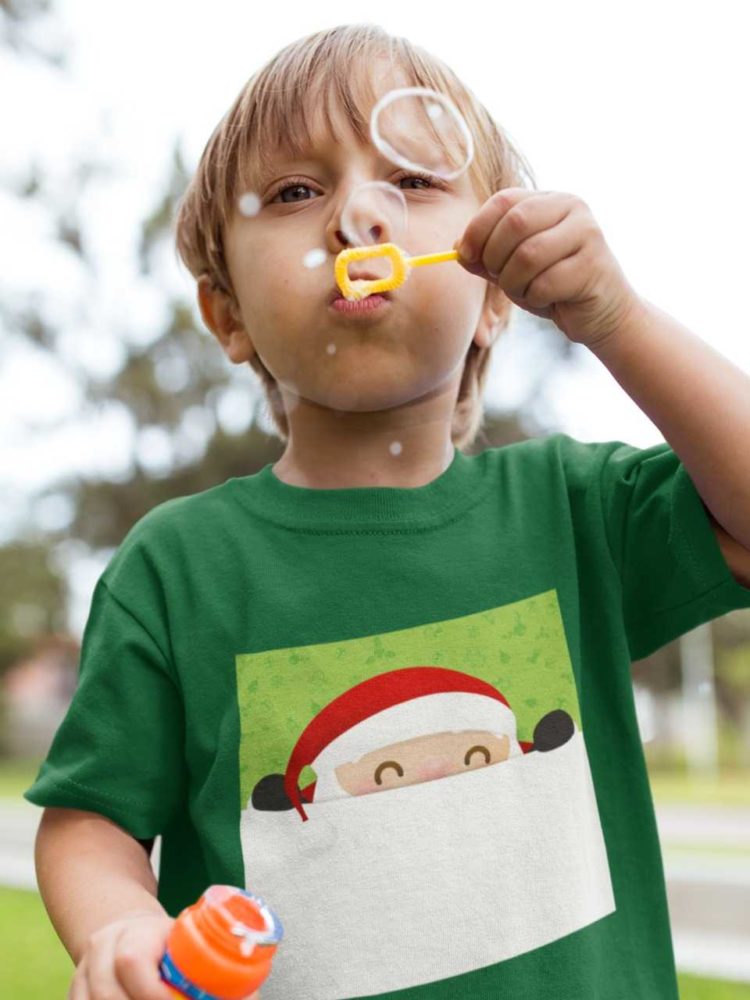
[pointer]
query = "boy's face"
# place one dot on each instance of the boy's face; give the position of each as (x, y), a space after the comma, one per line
(411, 347)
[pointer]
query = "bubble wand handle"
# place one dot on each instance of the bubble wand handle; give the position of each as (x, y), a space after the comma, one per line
(432, 258)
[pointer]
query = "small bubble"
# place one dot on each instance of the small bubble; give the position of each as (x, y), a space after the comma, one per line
(331, 348)
(314, 258)
(434, 111)
(249, 204)
(395, 448)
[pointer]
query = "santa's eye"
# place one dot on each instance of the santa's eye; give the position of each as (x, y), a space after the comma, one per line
(388, 763)
(480, 749)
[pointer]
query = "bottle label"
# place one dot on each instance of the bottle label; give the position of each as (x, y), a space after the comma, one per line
(172, 975)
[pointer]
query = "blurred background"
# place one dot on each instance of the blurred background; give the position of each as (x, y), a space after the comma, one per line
(114, 397)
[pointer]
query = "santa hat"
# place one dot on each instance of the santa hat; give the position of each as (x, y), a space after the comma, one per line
(391, 707)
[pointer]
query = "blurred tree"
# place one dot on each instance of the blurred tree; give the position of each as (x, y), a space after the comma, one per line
(33, 599)
(732, 636)
(29, 28)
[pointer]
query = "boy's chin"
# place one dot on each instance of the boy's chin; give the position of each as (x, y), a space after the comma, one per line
(372, 394)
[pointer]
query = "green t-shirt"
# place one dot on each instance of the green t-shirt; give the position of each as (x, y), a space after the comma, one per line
(404, 717)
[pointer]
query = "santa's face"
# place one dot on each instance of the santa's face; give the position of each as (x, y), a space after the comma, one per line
(422, 758)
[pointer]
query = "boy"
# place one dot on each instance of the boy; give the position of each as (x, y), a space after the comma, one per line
(381, 683)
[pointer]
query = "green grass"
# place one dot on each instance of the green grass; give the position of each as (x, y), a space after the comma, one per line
(16, 776)
(692, 988)
(35, 965)
(730, 788)
(737, 851)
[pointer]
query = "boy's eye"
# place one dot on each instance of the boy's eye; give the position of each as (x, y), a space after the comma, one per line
(295, 187)
(426, 181)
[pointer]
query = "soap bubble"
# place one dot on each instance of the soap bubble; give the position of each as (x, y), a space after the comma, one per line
(395, 447)
(314, 258)
(374, 213)
(249, 204)
(418, 128)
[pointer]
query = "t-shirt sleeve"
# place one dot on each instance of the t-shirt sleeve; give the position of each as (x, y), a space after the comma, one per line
(673, 574)
(119, 749)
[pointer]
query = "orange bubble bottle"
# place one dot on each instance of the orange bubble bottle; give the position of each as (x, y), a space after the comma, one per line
(221, 947)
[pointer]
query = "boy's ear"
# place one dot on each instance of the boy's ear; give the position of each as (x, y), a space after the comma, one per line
(494, 316)
(221, 316)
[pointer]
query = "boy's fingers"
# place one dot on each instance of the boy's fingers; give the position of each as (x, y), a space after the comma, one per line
(137, 965)
(139, 978)
(78, 989)
(100, 971)
(516, 271)
(476, 233)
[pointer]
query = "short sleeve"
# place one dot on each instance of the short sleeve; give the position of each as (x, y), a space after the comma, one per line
(674, 576)
(119, 750)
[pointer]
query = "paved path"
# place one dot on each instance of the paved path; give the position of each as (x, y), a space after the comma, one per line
(708, 894)
(18, 826)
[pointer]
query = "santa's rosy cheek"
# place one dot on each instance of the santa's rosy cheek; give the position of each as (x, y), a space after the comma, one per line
(434, 767)
(365, 786)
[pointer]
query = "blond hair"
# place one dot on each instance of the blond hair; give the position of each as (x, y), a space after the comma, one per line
(274, 102)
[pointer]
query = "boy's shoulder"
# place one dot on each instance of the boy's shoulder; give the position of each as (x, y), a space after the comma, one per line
(168, 529)
(577, 460)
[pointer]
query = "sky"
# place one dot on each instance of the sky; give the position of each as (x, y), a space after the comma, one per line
(636, 107)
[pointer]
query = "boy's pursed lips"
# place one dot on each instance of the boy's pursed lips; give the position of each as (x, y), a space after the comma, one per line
(361, 275)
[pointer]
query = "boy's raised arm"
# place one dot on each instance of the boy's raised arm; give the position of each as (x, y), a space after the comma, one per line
(700, 402)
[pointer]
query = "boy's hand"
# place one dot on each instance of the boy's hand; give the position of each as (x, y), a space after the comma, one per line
(121, 960)
(547, 253)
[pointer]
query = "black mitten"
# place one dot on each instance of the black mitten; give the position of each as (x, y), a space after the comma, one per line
(552, 730)
(269, 794)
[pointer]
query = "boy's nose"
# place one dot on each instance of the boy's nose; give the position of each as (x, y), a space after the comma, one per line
(374, 232)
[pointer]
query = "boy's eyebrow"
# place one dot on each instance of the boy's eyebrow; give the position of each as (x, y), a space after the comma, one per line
(265, 167)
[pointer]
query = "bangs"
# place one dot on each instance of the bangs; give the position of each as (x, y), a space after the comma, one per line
(337, 71)
(283, 120)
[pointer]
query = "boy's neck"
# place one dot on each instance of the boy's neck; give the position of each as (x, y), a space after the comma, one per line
(368, 464)
(405, 447)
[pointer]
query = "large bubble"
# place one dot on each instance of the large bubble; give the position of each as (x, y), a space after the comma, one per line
(374, 213)
(418, 128)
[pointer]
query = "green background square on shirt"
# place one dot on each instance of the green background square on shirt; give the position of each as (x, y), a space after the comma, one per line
(519, 648)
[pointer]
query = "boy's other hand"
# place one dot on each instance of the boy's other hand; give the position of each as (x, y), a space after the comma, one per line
(545, 250)
(121, 960)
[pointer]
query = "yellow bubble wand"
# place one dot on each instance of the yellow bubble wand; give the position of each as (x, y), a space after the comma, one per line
(401, 266)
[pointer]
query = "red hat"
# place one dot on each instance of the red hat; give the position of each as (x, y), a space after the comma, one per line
(401, 704)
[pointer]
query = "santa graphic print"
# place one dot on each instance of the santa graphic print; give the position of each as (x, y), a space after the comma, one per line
(434, 840)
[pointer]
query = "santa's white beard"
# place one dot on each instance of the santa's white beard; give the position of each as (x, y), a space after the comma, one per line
(415, 884)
